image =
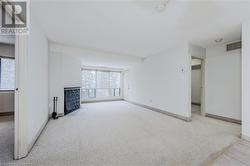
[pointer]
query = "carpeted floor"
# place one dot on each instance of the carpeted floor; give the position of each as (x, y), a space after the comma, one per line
(236, 155)
(196, 109)
(121, 134)
(6, 138)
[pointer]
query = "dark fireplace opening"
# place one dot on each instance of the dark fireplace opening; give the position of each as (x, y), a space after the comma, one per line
(71, 99)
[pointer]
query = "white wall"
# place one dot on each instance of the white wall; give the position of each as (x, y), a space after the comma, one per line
(196, 51)
(161, 81)
(246, 80)
(96, 58)
(65, 71)
(196, 86)
(66, 63)
(37, 67)
(223, 82)
(55, 80)
(7, 97)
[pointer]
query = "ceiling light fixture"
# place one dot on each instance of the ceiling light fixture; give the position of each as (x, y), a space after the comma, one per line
(218, 40)
(162, 6)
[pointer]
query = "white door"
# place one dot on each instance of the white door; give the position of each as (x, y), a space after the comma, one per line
(20, 133)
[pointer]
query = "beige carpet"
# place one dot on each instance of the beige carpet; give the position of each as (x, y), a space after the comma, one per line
(236, 155)
(122, 134)
(6, 138)
(196, 109)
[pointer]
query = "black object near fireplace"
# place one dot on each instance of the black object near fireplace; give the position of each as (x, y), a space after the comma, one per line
(71, 99)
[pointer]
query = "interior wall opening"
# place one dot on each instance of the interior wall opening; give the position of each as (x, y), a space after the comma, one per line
(196, 86)
(7, 96)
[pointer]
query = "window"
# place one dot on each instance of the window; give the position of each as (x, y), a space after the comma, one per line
(100, 84)
(115, 79)
(102, 89)
(7, 74)
(88, 83)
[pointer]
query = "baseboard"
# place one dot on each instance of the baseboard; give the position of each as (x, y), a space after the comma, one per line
(40, 132)
(98, 101)
(223, 118)
(244, 137)
(187, 119)
(37, 135)
(58, 115)
(6, 113)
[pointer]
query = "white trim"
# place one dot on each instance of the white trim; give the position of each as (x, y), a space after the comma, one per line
(101, 99)
(101, 68)
(245, 80)
(122, 85)
(20, 133)
(203, 90)
(187, 119)
(203, 83)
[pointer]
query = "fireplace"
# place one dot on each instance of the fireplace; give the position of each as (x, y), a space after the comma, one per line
(71, 99)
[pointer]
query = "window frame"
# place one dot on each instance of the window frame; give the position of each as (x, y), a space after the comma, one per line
(6, 90)
(108, 97)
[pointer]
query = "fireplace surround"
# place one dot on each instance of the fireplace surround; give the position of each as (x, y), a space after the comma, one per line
(71, 99)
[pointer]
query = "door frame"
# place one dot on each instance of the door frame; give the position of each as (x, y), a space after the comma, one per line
(20, 101)
(203, 82)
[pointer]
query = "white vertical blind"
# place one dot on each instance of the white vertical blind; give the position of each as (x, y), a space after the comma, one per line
(100, 84)
(7, 74)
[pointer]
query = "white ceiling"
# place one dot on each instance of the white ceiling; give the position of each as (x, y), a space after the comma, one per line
(135, 27)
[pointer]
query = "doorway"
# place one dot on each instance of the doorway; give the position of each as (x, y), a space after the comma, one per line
(197, 90)
(7, 97)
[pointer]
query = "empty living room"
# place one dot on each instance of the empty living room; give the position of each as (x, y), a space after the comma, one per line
(125, 82)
